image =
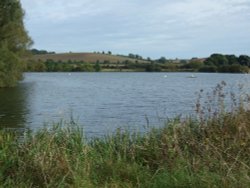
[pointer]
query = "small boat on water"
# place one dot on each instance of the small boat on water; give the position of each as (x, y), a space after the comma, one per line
(192, 76)
(165, 76)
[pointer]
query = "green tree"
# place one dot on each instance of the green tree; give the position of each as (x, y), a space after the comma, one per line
(153, 67)
(131, 55)
(244, 60)
(208, 68)
(236, 68)
(35, 66)
(232, 59)
(162, 60)
(14, 42)
(217, 60)
(194, 65)
(97, 66)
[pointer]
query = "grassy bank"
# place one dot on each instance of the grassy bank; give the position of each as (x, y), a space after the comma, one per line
(212, 150)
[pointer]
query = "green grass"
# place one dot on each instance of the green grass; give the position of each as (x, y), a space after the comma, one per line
(212, 151)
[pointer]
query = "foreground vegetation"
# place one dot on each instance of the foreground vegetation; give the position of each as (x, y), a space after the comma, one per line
(212, 150)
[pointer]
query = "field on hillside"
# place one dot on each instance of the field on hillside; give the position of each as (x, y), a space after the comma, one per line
(86, 57)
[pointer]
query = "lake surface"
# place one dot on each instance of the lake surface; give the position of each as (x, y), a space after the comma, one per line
(101, 102)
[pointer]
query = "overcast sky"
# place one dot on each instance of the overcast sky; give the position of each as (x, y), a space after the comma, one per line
(151, 28)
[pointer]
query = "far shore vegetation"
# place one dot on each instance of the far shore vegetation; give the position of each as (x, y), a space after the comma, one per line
(44, 61)
(211, 149)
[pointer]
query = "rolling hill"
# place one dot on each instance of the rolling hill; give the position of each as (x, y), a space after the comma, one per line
(86, 57)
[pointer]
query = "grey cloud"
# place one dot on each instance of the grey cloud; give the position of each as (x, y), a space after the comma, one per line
(183, 28)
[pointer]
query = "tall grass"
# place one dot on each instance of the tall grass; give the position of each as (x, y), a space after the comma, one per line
(212, 150)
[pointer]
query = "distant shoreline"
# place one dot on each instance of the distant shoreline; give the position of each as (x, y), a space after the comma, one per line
(101, 62)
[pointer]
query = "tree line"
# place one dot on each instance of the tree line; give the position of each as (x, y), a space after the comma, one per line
(40, 52)
(221, 63)
(59, 66)
(214, 63)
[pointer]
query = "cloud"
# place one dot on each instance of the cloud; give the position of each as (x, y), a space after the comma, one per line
(182, 28)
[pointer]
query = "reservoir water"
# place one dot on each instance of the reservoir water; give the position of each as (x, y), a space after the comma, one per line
(102, 102)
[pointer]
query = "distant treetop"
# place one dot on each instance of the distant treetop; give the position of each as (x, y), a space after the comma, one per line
(38, 52)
